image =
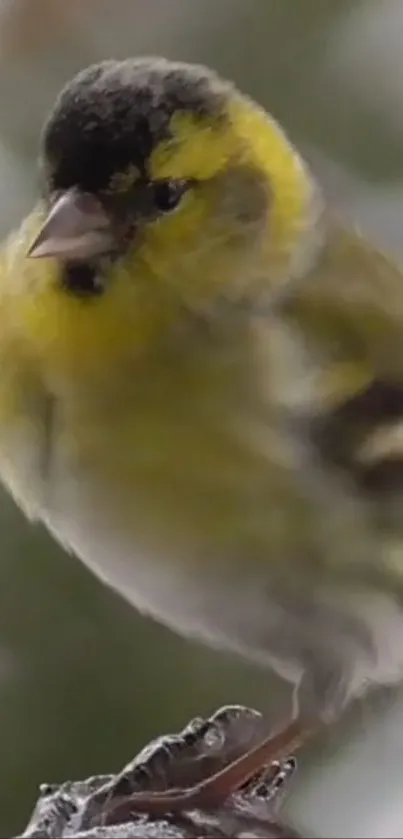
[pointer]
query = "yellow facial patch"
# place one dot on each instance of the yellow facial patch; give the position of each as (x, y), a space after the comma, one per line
(202, 148)
(199, 149)
(268, 150)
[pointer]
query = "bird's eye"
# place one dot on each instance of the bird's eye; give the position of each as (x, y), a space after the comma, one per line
(167, 194)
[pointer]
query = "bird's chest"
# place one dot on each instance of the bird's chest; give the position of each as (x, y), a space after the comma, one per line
(150, 504)
(165, 486)
(146, 493)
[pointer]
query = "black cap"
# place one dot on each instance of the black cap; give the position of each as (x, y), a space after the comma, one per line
(113, 114)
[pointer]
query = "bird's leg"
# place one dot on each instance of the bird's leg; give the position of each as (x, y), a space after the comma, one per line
(212, 792)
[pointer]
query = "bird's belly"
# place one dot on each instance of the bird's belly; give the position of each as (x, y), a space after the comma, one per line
(166, 565)
(212, 602)
(218, 530)
(168, 558)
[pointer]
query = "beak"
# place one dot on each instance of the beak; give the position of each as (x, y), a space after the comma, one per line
(77, 227)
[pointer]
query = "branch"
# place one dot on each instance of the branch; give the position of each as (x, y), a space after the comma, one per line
(78, 809)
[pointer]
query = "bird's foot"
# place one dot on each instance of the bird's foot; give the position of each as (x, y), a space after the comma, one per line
(270, 781)
(213, 792)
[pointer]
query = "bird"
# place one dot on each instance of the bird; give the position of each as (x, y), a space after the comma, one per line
(201, 390)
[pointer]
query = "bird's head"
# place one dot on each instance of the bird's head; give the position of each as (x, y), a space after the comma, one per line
(167, 168)
(165, 191)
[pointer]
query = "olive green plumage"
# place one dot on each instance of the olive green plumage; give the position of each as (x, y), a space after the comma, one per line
(201, 389)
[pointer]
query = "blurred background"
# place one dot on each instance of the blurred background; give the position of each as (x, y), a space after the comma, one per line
(84, 681)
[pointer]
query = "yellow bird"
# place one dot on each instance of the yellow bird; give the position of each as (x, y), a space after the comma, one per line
(201, 390)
